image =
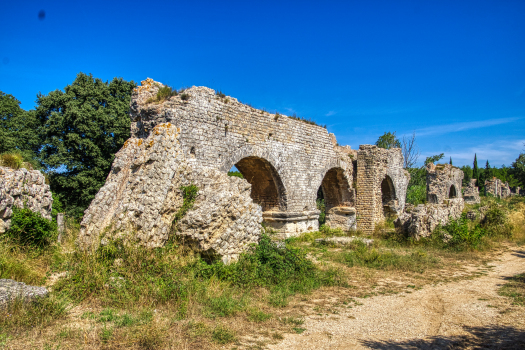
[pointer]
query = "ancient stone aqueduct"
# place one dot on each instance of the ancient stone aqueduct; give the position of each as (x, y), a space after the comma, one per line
(287, 165)
(285, 160)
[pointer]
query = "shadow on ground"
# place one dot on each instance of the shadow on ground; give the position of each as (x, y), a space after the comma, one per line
(495, 337)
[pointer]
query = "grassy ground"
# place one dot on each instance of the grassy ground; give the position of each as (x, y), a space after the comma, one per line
(129, 298)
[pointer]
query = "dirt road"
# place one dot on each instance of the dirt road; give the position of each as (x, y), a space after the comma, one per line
(464, 314)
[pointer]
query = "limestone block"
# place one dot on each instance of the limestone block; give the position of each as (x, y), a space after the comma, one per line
(23, 187)
(423, 219)
(11, 290)
(341, 217)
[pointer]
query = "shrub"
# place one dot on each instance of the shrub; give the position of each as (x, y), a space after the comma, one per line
(163, 94)
(417, 194)
(236, 174)
(30, 228)
(185, 97)
(12, 160)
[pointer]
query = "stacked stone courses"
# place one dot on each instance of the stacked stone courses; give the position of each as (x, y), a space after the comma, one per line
(21, 188)
(284, 160)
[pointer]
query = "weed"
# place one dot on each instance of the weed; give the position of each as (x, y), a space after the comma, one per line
(224, 306)
(296, 321)
(515, 289)
(150, 337)
(258, 316)
(30, 228)
(220, 94)
(189, 194)
(299, 330)
(163, 94)
(417, 261)
(222, 335)
(21, 315)
(106, 334)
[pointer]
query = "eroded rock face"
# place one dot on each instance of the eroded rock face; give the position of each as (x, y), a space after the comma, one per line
(423, 219)
(11, 290)
(19, 187)
(142, 196)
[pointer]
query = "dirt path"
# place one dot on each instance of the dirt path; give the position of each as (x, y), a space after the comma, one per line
(464, 314)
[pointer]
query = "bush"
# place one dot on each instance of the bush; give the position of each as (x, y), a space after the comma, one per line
(417, 194)
(30, 228)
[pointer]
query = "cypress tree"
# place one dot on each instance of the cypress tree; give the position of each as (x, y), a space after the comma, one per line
(488, 171)
(475, 170)
(450, 162)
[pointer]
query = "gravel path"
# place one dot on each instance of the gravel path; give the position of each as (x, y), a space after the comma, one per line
(464, 314)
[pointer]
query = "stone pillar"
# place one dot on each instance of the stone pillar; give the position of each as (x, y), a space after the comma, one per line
(61, 224)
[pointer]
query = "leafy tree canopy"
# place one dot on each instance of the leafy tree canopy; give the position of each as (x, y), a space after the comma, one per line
(18, 128)
(519, 168)
(388, 141)
(83, 128)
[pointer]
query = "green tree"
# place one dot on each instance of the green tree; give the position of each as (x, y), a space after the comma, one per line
(388, 141)
(519, 169)
(475, 169)
(450, 162)
(434, 158)
(488, 171)
(83, 128)
(18, 128)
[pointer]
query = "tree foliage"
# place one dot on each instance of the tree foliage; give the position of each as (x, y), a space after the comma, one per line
(388, 141)
(82, 129)
(519, 168)
(18, 128)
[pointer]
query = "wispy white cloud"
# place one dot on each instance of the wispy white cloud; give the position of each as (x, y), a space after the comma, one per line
(455, 127)
(330, 113)
(497, 153)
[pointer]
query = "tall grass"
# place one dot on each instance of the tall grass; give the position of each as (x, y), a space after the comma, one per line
(119, 275)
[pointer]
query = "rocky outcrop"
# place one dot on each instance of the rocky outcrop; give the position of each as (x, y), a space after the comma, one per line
(471, 194)
(23, 187)
(423, 219)
(11, 290)
(143, 196)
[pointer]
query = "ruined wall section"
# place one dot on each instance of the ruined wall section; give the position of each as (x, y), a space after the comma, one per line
(471, 194)
(220, 131)
(444, 181)
(374, 165)
(497, 188)
(21, 188)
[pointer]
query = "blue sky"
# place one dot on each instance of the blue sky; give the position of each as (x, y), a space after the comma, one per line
(452, 71)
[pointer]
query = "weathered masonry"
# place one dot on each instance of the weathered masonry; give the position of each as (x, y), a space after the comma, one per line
(285, 160)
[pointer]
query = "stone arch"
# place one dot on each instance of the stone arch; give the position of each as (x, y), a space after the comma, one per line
(388, 196)
(452, 193)
(267, 188)
(336, 190)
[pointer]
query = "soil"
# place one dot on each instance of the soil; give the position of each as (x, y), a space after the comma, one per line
(466, 314)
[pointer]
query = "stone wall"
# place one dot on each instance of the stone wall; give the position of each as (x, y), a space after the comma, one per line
(471, 194)
(285, 160)
(23, 187)
(497, 188)
(381, 185)
(444, 202)
(443, 182)
(143, 194)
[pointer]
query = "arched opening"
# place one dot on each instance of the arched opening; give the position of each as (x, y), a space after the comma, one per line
(452, 192)
(334, 190)
(388, 197)
(335, 201)
(267, 188)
